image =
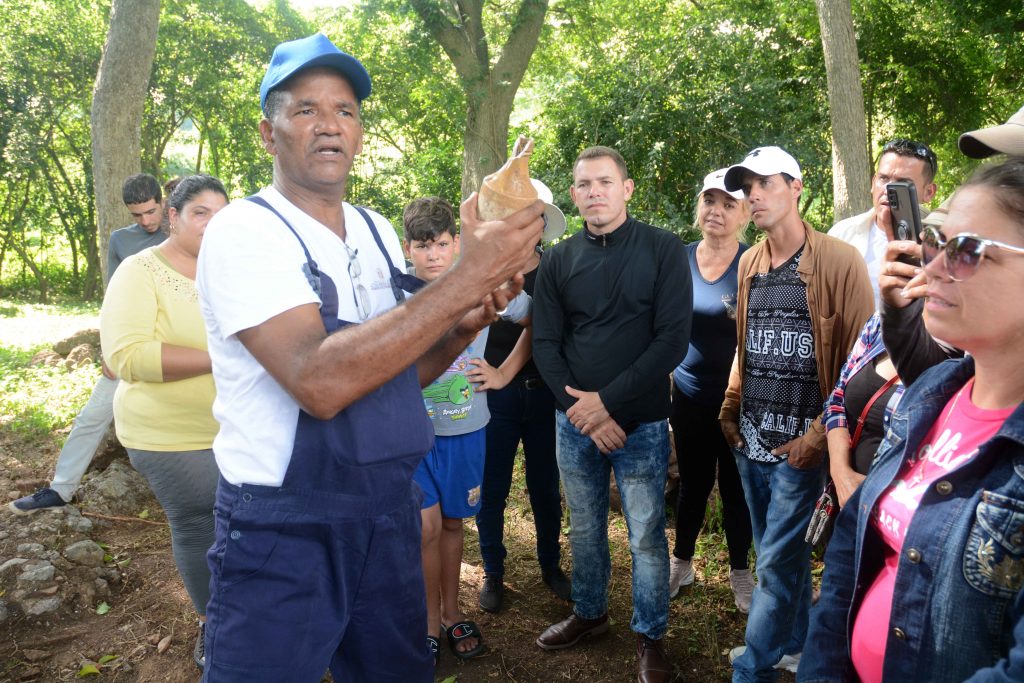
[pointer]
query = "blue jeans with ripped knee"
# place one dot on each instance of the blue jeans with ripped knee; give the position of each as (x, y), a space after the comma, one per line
(641, 467)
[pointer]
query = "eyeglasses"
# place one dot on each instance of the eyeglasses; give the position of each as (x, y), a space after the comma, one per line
(963, 253)
(359, 293)
(904, 147)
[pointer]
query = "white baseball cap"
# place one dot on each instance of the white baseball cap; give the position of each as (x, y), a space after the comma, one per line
(763, 161)
(716, 181)
(554, 219)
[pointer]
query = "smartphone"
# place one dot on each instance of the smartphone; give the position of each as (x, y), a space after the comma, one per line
(906, 214)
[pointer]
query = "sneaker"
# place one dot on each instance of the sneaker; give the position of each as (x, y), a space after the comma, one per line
(43, 499)
(558, 582)
(787, 663)
(680, 574)
(492, 594)
(199, 653)
(742, 582)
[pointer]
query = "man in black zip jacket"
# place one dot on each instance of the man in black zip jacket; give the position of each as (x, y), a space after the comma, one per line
(611, 320)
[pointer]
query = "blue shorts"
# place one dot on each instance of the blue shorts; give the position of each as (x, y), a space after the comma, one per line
(451, 473)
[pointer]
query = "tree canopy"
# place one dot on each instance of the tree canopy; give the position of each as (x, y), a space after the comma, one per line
(680, 87)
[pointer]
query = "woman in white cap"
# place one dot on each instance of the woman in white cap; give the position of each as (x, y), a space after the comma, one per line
(699, 386)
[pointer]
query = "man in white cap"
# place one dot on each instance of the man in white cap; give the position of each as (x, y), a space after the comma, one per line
(901, 160)
(801, 301)
(902, 285)
(318, 371)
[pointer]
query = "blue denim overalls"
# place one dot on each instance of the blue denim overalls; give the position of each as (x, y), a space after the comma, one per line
(324, 571)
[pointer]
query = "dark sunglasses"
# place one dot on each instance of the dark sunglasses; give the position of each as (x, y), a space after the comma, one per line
(963, 253)
(918, 149)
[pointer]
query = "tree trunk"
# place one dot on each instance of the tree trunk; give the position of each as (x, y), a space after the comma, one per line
(851, 165)
(490, 89)
(117, 104)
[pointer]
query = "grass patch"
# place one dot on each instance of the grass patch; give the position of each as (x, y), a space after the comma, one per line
(36, 400)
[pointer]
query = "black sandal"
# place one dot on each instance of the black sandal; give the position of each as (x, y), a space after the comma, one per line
(463, 631)
(434, 645)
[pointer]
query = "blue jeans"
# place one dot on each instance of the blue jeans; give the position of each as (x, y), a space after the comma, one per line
(641, 467)
(520, 411)
(781, 499)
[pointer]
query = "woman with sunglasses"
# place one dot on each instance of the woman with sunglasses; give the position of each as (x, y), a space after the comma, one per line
(154, 339)
(924, 572)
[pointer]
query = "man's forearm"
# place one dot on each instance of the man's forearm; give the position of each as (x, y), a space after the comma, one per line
(439, 357)
(325, 374)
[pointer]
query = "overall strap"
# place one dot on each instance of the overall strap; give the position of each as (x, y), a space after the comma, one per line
(311, 270)
(400, 280)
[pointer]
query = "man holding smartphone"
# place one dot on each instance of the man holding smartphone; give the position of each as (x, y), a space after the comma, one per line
(901, 161)
(903, 286)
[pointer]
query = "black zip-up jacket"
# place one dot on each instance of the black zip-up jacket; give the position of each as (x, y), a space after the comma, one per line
(611, 313)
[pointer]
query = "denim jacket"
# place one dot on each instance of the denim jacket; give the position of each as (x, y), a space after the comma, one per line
(958, 608)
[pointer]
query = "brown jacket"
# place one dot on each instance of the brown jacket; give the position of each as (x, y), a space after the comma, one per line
(839, 300)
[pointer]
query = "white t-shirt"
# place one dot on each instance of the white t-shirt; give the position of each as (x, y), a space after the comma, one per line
(251, 269)
(873, 256)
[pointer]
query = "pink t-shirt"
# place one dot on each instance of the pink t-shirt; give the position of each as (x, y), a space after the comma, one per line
(951, 442)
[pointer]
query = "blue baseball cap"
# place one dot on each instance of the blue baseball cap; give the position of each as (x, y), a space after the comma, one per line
(317, 50)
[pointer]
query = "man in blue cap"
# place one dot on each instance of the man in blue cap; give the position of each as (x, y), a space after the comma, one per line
(318, 373)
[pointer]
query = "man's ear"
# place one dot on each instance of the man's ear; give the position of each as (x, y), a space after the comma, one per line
(267, 136)
(929, 193)
(405, 248)
(628, 185)
(798, 187)
(456, 243)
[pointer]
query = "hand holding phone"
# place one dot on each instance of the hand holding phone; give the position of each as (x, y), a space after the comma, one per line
(906, 213)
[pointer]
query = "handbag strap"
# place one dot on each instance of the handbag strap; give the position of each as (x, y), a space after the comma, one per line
(855, 439)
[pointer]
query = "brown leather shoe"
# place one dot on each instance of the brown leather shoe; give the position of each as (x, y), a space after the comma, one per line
(651, 664)
(570, 631)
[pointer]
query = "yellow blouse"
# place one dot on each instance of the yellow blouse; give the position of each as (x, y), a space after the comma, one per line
(148, 304)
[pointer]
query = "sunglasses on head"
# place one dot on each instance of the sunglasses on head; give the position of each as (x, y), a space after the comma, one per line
(912, 147)
(963, 253)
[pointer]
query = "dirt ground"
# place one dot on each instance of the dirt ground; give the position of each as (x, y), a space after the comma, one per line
(150, 603)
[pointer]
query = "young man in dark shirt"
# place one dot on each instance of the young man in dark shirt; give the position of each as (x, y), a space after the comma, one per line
(611, 320)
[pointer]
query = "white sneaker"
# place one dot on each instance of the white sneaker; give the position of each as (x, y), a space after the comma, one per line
(680, 574)
(787, 663)
(742, 582)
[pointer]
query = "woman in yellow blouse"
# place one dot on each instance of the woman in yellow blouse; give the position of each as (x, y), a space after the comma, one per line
(154, 340)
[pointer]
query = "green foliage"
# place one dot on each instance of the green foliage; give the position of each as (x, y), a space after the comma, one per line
(38, 399)
(679, 87)
(415, 116)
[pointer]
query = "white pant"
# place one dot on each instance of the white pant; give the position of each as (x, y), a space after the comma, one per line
(90, 427)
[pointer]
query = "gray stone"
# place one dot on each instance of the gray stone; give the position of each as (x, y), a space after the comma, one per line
(118, 490)
(3, 611)
(86, 553)
(80, 356)
(47, 357)
(76, 522)
(12, 566)
(41, 606)
(110, 574)
(31, 549)
(102, 588)
(88, 336)
(40, 573)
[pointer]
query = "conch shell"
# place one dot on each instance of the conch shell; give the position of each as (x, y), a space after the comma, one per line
(509, 188)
